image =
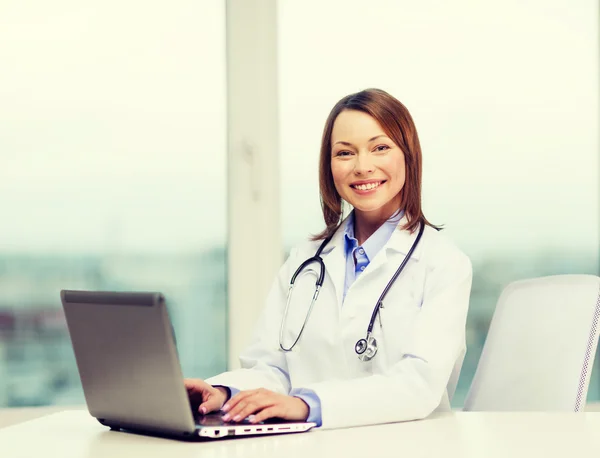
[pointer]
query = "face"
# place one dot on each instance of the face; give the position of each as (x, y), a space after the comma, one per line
(368, 168)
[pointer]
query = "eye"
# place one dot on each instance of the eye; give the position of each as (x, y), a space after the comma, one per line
(381, 148)
(342, 153)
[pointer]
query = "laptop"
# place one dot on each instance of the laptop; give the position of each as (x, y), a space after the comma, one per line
(125, 351)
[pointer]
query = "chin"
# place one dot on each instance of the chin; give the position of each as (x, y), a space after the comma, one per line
(368, 208)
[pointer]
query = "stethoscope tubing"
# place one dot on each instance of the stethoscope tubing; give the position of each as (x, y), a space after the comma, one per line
(379, 304)
(320, 278)
(319, 283)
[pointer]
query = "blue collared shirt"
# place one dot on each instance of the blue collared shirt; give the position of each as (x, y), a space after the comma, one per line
(357, 260)
(359, 257)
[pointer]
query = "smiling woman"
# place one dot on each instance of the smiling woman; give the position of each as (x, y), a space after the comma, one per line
(508, 126)
(336, 376)
(371, 150)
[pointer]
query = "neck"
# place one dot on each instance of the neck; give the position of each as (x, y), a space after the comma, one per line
(366, 223)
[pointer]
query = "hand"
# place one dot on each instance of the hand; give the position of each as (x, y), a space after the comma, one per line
(264, 404)
(205, 396)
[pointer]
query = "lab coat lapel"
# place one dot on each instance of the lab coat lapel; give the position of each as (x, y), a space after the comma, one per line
(400, 242)
(335, 263)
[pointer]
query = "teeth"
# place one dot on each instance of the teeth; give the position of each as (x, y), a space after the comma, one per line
(367, 187)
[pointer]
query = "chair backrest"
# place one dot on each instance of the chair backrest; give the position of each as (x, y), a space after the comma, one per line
(540, 348)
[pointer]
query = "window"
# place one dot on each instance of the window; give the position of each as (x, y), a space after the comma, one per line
(112, 177)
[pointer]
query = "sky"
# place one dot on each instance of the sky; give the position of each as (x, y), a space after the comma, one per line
(113, 136)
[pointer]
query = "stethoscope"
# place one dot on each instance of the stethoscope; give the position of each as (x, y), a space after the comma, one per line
(365, 348)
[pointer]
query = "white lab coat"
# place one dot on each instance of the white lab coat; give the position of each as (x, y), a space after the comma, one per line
(421, 335)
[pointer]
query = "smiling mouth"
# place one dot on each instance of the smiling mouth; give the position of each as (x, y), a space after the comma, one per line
(367, 186)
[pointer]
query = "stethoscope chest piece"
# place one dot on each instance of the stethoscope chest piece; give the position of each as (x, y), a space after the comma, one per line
(366, 349)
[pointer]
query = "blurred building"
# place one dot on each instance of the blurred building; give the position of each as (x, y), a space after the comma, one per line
(37, 365)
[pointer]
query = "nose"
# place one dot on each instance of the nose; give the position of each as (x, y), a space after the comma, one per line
(364, 164)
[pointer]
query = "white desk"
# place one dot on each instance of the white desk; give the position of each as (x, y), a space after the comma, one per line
(458, 434)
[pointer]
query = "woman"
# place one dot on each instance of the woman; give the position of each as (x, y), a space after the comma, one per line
(371, 158)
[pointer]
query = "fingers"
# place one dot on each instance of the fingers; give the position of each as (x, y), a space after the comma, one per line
(213, 399)
(267, 413)
(236, 404)
(204, 396)
(212, 404)
(264, 404)
(194, 384)
(195, 391)
(242, 395)
(248, 403)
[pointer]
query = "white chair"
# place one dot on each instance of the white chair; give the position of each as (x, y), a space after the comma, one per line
(540, 348)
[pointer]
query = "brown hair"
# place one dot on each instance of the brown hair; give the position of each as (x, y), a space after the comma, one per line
(397, 124)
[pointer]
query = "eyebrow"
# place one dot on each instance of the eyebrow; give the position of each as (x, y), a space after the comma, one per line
(370, 140)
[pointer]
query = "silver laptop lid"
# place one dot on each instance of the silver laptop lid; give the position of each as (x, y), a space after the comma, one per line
(127, 360)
